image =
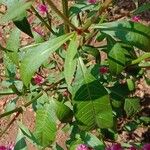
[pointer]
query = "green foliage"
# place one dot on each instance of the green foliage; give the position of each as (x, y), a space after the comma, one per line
(142, 8)
(131, 106)
(71, 60)
(128, 32)
(91, 106)
(116, 59)
(13, 44)
(20, 142)
(78, 80)
(15, 11)
(45, 130)
(31, 62)
(92, 141)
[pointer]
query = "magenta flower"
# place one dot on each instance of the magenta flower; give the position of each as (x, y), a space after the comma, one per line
(9, 147)
(82, 147)
(103, 70)
(42, 8)
(146, 146)
(114, 147)
(92, 1)
(38, 79)
(135, 19)
(3, 148)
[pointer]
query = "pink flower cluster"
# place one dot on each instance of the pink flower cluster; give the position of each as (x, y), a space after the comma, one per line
(82, 147)
(42, 8)
(103, 70)
(8, 147)
(135, 19)
(92, 1)
(37, 79)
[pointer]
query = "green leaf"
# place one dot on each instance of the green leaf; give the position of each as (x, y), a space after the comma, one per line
(45, 130)
(142, 8)
(37, 38)
(116, 59)
(91, 101)
(15, 11)
(118, 93)
(131, 84)
(63, 112)
(36, 55)
(71, 60)
(131, 33)
(23, 24)
(57, 147)
(92, 141)
(11, 104)
(20, 142)
(13, 44)
(6, 92)
(145, 120)
(132, 106)
(28, 134)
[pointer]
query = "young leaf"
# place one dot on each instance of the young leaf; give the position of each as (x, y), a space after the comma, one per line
(36, 55)
(13, 44)
(116, 59)
(28, 134)
(131, 106)
(131, 33)
(15, 11)
(21, 20)
(23, 24)
(92, 141)
(20, 142)
(11, 104)
(63, 112)
(45, 130)
(142, 8)
(91, 102)
(71, 60)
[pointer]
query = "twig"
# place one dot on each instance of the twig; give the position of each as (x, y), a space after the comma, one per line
(66, 13)
(20, 109)
(140, 58)
(66, 20)
(10, 123)
(92, 20)
(45, 23)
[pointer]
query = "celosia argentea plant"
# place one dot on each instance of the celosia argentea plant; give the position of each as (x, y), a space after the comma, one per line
(77, 72)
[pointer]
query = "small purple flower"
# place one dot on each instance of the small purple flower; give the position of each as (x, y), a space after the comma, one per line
(82, 147)
(135, 19)
(146, 146)
(114, 147)
(42, 8)
(92, 1)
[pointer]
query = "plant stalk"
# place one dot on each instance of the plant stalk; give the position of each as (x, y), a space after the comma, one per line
(20, 109)
(139, 59)
(92, 20)
(66, 20)
(42, 20)
(66, 13)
